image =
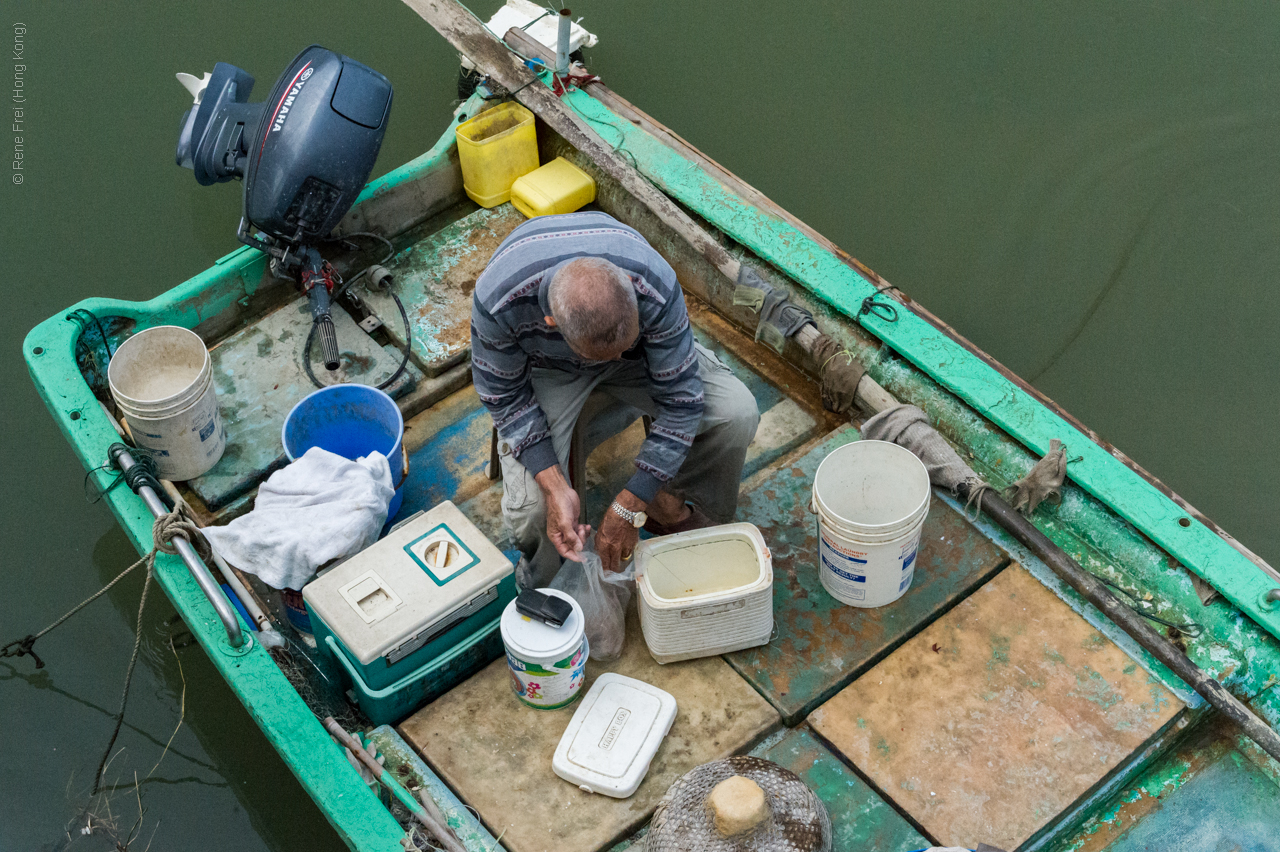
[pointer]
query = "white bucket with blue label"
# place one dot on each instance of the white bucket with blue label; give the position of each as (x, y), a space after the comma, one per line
(871, 499)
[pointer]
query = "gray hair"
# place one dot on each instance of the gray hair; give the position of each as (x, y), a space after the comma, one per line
(594, 305)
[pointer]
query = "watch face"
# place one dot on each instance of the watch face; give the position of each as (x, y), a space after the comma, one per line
(640, 520)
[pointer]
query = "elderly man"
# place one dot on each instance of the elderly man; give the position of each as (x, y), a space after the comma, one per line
(577, 303)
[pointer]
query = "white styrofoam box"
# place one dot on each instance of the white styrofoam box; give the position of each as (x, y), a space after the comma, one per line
(612, 738)
(705, 592)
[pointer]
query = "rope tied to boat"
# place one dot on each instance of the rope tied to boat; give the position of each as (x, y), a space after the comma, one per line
(165, 529)
(886, 311)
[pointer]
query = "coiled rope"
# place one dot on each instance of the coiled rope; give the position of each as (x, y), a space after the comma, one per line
(163, 531)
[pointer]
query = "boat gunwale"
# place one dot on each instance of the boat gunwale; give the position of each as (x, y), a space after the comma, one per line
(233, 280)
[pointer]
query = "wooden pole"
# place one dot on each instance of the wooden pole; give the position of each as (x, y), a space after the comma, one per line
(466, 33)
(439, 831)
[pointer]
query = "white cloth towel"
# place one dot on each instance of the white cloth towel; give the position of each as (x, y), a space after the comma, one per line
(320, 508)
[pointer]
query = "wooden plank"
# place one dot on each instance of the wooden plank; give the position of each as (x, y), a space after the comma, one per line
(259, 378)
(435, 278)
(496, 753)
(820, 644)
(997, 717)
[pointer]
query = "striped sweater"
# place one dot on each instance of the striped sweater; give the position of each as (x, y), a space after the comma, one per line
(509, 336)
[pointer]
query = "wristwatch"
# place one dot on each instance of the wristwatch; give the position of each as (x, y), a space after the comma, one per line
(636, 519)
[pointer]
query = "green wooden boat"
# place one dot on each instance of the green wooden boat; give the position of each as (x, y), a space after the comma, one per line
(989, 704)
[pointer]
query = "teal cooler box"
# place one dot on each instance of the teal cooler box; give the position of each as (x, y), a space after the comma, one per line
(414, 614)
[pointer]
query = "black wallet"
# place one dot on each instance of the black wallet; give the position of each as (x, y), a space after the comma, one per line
(546, 608)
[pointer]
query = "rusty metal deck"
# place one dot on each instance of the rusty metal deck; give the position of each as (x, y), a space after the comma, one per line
(820, 645)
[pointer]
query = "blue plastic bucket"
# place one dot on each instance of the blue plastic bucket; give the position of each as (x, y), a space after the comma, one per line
(350, 421)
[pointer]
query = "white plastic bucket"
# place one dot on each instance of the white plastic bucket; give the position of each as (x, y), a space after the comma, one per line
(162, 379)
(547, 664)
(871, 498)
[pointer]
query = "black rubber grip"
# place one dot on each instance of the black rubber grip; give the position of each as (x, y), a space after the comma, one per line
(328, 342)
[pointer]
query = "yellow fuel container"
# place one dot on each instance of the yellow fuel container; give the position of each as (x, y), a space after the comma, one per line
(494, 148)
(557, 187)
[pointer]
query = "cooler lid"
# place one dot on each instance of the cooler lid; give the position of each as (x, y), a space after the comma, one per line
(422, 571)
(614, 735)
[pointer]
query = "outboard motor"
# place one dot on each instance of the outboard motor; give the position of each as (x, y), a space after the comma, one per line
(304, 155)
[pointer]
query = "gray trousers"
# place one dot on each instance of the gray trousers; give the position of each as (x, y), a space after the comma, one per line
(709, 477)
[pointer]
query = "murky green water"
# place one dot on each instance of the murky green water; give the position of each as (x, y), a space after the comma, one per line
(1085, 190)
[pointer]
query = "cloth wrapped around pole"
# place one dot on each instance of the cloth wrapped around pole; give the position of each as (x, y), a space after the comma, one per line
(780, 318)
(909, 427)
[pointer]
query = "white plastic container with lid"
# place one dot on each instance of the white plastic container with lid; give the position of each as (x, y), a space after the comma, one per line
(871, 499)
(705, 592)
(614, 735)
(548, 664)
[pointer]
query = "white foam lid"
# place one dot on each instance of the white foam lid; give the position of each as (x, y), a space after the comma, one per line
(614, 735)
(536, 641)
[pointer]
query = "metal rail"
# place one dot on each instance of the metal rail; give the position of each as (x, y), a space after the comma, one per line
(199, 572)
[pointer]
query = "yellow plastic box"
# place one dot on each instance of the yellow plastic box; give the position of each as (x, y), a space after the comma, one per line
(557, 187)
(494, 148)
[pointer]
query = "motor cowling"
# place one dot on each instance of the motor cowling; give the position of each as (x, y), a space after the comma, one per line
(304, 154)
(316, 143)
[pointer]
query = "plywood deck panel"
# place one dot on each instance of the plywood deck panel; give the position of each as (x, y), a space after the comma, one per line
(820, 644)
(496, 753)
(997, 717)
(259, 378)
(435, 278)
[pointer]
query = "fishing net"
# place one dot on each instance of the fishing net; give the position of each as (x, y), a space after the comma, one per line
(684, 822)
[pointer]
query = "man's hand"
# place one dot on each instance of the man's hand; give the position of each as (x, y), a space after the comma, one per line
(617, 539)
(563, 510)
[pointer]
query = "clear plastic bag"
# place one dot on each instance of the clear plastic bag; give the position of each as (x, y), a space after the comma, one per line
(603, 596)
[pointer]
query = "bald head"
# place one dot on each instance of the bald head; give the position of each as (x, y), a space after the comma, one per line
(594, 306)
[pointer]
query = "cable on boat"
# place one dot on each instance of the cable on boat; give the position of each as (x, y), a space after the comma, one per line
(86, 319)
(343, 286)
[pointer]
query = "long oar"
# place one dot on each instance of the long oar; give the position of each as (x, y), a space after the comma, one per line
(465, 32)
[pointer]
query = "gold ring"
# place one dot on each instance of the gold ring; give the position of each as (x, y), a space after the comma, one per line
(626, 556)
